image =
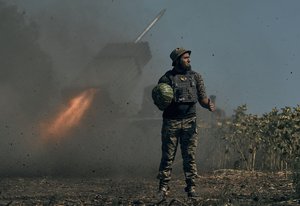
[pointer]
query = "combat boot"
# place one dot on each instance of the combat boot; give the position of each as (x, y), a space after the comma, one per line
(191, 192)
(163, 189)
(163, 192)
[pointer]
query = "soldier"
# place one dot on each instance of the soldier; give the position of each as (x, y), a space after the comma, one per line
(179, 120)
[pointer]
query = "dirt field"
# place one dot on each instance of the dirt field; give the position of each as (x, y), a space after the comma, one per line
(222, 187)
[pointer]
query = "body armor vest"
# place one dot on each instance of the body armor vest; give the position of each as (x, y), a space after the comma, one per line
(184, 87)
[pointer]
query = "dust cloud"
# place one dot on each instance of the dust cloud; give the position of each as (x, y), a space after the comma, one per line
(47, 58)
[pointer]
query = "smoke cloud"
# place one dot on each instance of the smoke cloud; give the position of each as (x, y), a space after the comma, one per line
(48, 56)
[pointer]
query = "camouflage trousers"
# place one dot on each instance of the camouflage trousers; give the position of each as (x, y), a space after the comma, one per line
(183, 131)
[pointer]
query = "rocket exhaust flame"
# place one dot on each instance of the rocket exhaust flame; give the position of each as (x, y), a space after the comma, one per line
(70, 116)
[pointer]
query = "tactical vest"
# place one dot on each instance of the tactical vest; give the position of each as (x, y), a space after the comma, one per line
(184, 87)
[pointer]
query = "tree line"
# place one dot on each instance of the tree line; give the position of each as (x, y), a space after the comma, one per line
(267, 142)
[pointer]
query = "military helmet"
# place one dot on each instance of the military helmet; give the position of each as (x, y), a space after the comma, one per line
(176, 53)
(162, 95)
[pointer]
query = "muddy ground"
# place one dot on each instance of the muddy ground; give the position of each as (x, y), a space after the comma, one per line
(221, 187)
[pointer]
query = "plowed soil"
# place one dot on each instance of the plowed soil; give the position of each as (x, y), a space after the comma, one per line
(222, 187)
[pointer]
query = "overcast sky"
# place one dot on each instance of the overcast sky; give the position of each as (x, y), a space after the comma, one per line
(247, 51)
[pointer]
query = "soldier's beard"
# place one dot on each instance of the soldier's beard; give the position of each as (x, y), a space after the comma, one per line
(183, 67)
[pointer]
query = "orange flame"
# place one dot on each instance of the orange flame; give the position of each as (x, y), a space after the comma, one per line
(70, 116)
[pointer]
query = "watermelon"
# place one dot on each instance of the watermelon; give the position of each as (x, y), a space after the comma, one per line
(162, 95)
